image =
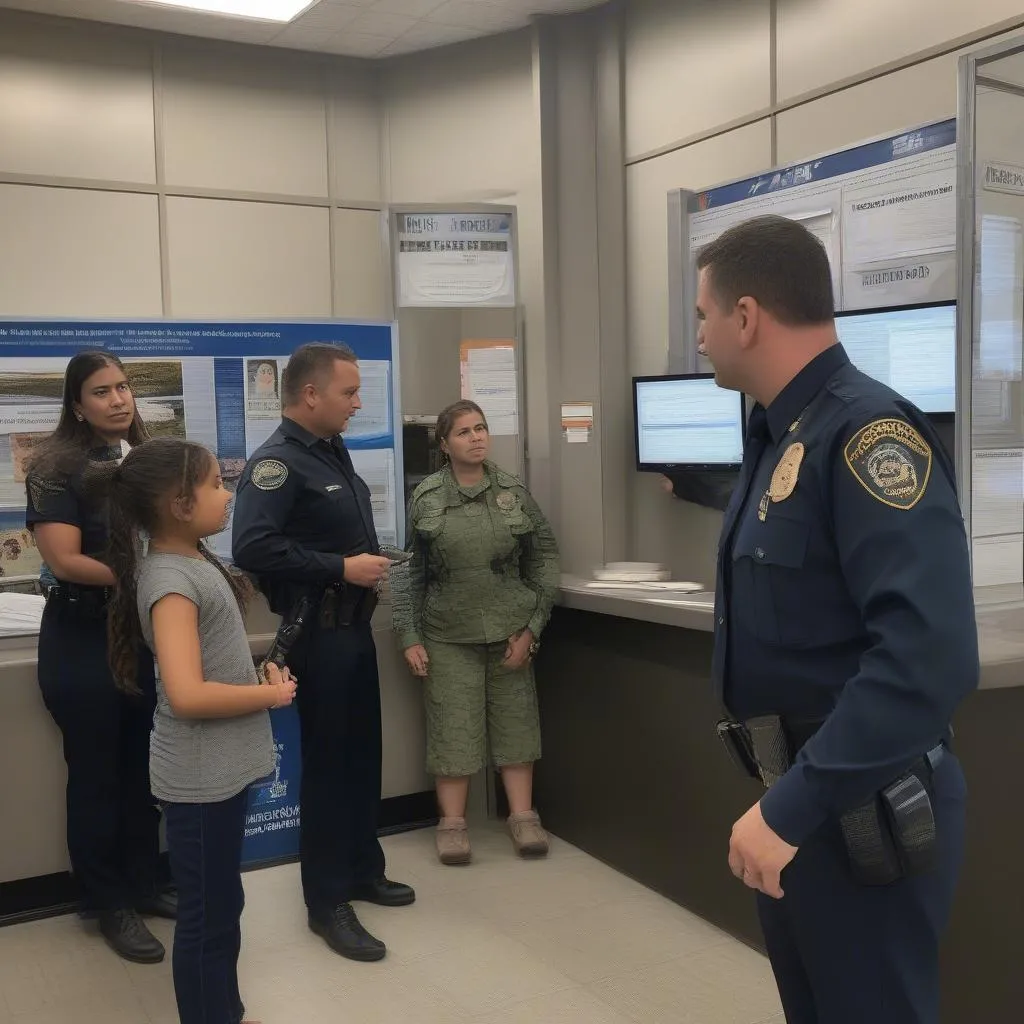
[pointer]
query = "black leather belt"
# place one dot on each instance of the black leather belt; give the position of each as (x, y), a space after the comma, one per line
(79, 597)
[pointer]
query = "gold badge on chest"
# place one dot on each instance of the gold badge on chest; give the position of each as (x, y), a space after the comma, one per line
(786, 472)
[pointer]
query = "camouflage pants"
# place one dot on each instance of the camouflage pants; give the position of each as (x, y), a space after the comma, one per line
(472, 700)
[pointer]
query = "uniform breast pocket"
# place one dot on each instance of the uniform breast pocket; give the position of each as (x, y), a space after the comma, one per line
(768, 559)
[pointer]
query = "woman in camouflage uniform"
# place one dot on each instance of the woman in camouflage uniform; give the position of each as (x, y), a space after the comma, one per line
(468, 610)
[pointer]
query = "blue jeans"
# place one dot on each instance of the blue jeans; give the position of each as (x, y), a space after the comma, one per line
(205, 846)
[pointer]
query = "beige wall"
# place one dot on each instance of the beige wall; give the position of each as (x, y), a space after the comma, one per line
(703, 107)
(206, 180)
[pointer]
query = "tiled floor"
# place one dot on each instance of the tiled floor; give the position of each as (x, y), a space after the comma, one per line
(562, 941)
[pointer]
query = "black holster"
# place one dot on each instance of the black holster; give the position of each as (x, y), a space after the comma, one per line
(890, 836)
(346, 606)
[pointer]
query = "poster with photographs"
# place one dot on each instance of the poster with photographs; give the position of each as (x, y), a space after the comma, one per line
(263, 389)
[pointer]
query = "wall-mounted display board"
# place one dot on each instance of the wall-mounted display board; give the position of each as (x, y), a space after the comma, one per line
(215, 383)
(456, 260)
(885, 212)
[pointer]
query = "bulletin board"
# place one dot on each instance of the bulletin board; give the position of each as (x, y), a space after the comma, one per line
(884, 210)
(215, 383)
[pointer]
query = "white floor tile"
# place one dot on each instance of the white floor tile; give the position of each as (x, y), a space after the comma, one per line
(564, 940)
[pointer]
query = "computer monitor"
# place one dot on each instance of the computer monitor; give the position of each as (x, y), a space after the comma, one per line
(686, 421)
(910, 348)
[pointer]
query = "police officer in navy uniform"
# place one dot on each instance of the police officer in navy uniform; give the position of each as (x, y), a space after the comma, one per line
(303, 526)
(845, 639)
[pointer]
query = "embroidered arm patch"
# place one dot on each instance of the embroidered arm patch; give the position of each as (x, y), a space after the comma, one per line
(891, 461)
(269, 474)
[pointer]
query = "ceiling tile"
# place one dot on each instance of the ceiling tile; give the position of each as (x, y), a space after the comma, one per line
(354, 44)
(487, 16)
(413, 8)
(427, 36)
(372, 23)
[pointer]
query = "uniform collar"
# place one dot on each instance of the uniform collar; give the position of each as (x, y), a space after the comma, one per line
(797, 394)
(298, 433)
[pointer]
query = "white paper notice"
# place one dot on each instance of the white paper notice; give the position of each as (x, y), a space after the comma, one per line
(997, 486)
(374, 418)
(897, 220)
(489, 379)
(1001, 286)
(997, 561)
(377, 468)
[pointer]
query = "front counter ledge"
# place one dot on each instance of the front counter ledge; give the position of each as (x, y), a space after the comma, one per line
(634, 774)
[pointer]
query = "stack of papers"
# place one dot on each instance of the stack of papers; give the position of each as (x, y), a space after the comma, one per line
(20, 614)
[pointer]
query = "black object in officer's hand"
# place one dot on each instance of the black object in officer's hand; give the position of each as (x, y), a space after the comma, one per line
(287, 633)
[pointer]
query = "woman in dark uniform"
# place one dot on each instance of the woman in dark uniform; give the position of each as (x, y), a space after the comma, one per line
(112, 818)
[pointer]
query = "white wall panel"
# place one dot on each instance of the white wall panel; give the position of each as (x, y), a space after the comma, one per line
(73, 253)
(248, 259)
(693, 66)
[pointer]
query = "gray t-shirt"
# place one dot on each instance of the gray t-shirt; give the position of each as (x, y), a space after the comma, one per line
(204, 760)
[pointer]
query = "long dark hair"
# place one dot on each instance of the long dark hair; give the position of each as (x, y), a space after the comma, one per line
(64, 451)
(135, 490)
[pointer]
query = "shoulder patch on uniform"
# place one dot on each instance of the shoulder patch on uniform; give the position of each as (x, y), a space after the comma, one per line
(269, 474)
(505, 479)
(431, 483)
(891, 461)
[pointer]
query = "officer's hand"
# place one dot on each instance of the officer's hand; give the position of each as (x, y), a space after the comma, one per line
(757, 855)
(417, 660)
(365, 570)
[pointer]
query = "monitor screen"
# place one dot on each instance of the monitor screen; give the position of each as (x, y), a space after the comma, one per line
(686, 421)
(912, 349)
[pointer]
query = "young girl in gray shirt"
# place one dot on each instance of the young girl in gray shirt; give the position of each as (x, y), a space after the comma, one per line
(211, 735)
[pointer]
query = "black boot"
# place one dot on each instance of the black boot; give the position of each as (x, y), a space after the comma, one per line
(129, 938)
(161, 904)
(385, 893)
(341, 930)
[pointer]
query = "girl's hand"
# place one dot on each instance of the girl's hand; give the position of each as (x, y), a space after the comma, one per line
(417, 660)
(280, 684)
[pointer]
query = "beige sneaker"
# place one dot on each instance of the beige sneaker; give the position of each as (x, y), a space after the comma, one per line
(453, 841)
(528, 835)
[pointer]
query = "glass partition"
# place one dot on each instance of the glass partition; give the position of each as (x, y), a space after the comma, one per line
(990, 133)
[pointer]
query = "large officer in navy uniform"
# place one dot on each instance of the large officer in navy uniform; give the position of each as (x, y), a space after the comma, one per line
(845, 638)
(303, 526)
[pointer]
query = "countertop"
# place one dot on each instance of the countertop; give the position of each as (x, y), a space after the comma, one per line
(999, 612)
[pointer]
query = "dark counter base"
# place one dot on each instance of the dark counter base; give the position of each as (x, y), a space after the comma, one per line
(634, 774)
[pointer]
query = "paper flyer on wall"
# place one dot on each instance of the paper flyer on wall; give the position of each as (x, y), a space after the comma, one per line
(997, 516)
(455, 259)
(488, 377)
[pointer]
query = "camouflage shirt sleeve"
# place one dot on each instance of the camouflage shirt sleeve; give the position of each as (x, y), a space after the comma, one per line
(539, 567)
(407, 583)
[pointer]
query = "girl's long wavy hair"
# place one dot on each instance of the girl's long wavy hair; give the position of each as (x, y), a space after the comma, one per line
(64, 451)
(151, 475)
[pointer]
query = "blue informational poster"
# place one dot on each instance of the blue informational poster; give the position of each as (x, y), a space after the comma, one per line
(218, 384)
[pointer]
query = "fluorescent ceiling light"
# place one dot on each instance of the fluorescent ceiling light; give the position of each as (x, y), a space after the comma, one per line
(262, 10)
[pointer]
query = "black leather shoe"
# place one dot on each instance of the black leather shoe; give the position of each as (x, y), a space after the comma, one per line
(162, 905)
(385, 893)
(342, 931)
(129, 938)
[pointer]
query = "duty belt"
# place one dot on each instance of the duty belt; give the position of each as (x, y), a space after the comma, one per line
(890, 836)
(347, 606)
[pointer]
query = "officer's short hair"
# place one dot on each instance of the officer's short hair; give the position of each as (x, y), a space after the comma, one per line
(309, 364)
(776, 261)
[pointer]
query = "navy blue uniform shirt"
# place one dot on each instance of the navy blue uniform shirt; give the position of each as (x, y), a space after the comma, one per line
(844, 588)
(300, 509)
(62, 499)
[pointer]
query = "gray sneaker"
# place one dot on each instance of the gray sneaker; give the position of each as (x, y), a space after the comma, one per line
(528, 835)
(453, 841)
